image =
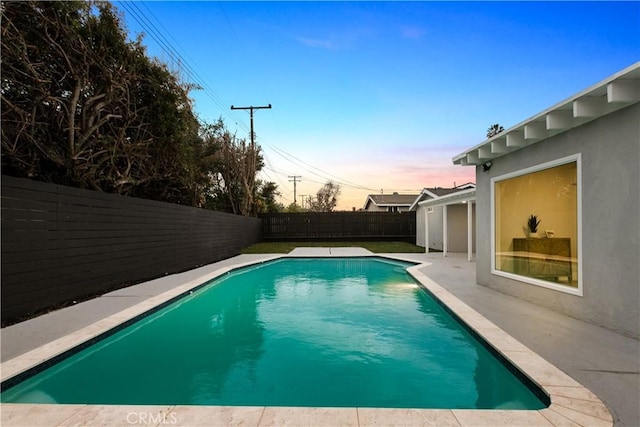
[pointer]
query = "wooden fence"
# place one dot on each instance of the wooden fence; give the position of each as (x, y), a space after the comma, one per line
(61, 243)
(339, 226)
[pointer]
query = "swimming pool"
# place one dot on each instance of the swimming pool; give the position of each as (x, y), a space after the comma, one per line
(296, 332)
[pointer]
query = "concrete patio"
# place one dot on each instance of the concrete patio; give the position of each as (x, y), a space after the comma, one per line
(603, 361)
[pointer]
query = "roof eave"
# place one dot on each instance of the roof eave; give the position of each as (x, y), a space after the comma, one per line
(366, 203)
(611, 94)
(449, 199)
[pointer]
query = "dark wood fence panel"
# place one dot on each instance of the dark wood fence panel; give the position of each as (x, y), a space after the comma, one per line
(61, 243)
(339, 226)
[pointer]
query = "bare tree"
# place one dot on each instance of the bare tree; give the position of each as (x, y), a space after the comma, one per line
(234, 165)
(326, 198)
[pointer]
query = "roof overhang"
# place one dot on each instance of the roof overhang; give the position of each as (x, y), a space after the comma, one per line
(451, 199)
(613, 93)
(424, 192)
(366, 203)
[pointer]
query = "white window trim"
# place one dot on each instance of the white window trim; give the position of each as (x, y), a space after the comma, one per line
(577, 158)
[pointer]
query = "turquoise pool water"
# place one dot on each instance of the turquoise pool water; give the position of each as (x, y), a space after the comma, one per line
(342, 332)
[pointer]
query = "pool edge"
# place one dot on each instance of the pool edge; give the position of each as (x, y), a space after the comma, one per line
(570, 401)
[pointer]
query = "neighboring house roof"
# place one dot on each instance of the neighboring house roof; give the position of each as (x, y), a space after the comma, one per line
(386, 200)
(613, 93)
(438, 192)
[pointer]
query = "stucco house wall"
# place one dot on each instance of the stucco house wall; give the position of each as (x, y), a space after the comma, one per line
(457, 227)
(403, 208)
(375, 208)
(420, 212)
(435, 228)
(610, 150)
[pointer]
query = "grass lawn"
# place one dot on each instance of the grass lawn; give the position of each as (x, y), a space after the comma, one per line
(375, 247)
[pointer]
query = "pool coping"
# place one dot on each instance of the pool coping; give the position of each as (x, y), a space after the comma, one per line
(571, 403)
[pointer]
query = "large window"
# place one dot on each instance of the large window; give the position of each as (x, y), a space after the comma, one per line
(549, 255)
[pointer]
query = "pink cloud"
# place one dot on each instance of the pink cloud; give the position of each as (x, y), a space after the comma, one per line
(406, 180)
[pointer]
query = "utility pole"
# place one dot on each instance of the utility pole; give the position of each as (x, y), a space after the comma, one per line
(253, 157)
(294, 180)
(302, 196)
(251, 108)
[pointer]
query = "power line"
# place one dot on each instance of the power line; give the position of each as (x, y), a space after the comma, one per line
(324, 175)
(158, 36)
(270, 167)
(251, 108)
(287, 174)
(235, 36)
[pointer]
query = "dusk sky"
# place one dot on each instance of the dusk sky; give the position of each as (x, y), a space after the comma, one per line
(379, 96)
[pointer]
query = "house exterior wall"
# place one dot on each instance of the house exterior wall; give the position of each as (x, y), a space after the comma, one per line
(610, 150)
(435, 228)
(436, 237)
(457, 227)
(375, 208)
(372, 207)
(420, 212)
